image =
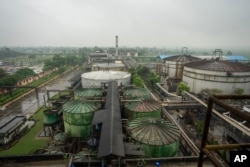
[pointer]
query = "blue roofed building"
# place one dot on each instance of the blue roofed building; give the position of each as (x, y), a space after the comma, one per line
(236, 58)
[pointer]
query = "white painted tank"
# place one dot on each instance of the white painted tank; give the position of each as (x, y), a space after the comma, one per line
(95, 78)
(222, 75)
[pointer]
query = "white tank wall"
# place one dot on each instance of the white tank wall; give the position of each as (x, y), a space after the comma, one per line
(200, 79)
(174, 69)
(95, 78)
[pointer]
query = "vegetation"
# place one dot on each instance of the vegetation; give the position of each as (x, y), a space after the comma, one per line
(2, 73)
(143, 74)
(6, 53)
(199, 128)
(17, 92)
(11, 80)
(238, 91)
(62, 61)
(182, 87)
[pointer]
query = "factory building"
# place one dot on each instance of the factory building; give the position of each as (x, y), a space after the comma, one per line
(171, 69)
(108, 67)
(11, 127)
(226, 76)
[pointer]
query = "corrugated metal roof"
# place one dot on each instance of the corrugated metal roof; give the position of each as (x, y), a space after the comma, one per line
(235, 58)
(153, 131)
(111, 140)
(78, 106)
(142, 106)
(218, 65)
(182, 58)
(10, 123)
(90, 92)
(135, 93)
(164, 56)
(102, 65)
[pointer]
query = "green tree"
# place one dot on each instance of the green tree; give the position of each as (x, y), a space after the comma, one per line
(238, 91)
(182, 87)
(153, 78)
(137, 81)
(25, 72)
(2, 73)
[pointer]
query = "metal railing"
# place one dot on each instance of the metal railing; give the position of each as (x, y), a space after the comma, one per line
(207, 149)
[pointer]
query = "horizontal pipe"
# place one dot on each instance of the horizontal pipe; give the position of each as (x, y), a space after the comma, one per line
(232, 96)
(213, 159)
(227, 146)
(235, 111)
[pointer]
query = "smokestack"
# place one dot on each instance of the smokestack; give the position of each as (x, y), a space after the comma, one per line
(116, 45)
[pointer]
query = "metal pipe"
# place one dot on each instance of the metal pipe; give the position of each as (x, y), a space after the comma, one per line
(205, 131)
(235, 111)
(213, 159)
(227, 146)
(233, 122)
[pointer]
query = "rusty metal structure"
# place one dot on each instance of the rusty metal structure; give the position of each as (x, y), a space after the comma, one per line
(207, 149)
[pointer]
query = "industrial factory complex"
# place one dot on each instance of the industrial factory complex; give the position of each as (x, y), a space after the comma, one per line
(105, 120)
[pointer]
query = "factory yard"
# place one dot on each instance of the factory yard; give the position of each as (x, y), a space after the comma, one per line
(106, 120)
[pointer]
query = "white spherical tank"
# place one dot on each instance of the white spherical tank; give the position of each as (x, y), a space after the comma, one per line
(217, 74)
(95, 78)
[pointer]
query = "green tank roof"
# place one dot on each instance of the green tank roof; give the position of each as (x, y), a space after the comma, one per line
(88, 93)
(142, 106)
(78, 106)
(154, 131)
(136, 93)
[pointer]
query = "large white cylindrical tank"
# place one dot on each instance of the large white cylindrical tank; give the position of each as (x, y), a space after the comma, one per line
(95, 78)
(174, 64)
(217, 74)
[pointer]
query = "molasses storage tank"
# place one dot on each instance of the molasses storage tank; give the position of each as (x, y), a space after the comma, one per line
(159, 137)
(136, 93)
(143, 108)
(217, 74)
(88, 93)
(95, 78)
(77, 116)
(50, 116)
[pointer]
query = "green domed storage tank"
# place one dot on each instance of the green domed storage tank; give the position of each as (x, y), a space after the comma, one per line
(138, 109)
(136, 93)
(159, 137)
(88, 93)
(77, 117)
(50, 116)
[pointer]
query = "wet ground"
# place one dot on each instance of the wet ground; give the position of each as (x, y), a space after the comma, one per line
(28, 105)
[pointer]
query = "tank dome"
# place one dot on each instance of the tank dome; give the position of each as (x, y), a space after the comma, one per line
(225, 76)
(88, 93)
(77, 116)
(159, 137)
(95, 78)
(136, 93)
(144, 108)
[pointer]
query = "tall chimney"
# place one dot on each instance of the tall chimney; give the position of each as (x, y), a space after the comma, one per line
(116, 45)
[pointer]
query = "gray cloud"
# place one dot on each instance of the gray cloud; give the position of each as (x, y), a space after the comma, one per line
(194, 23)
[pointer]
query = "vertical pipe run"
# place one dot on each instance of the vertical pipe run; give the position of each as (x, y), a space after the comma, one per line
(116, 45)
(205, 131)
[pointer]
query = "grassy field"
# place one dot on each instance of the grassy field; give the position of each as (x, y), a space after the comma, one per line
(28, 143)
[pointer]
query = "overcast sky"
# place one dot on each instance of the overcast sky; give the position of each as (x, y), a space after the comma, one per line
(150, 23)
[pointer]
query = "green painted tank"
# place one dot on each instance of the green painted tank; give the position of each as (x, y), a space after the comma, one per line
(136, 93)
(77, 117)
(50, 116)
(159, 137)
(138, 109)
(88, 93)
